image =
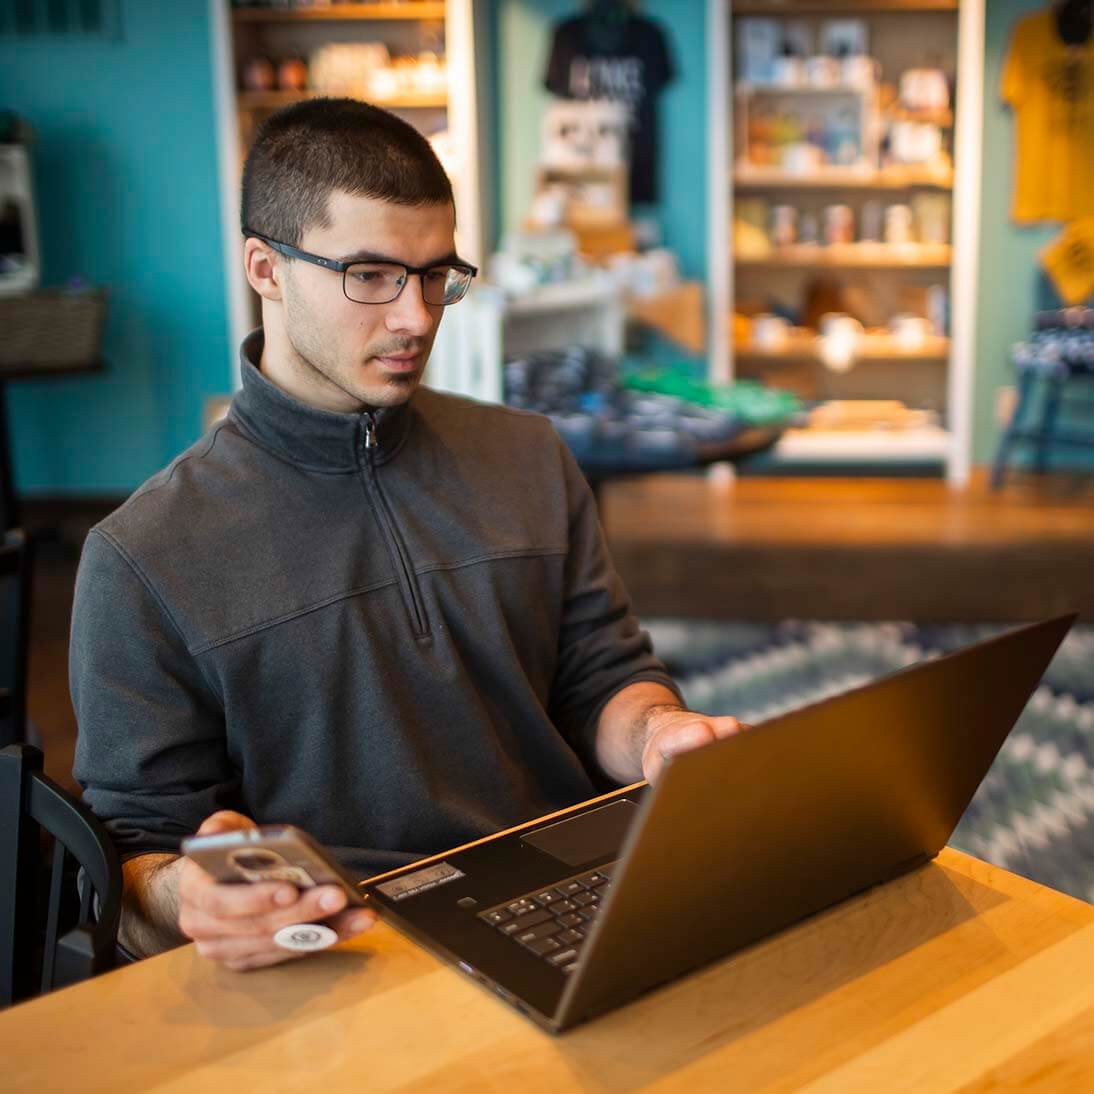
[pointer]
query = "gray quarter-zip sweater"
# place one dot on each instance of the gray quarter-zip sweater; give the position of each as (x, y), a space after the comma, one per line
(395, 629)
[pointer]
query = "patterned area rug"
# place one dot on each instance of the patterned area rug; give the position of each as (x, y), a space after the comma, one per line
(1033, 813)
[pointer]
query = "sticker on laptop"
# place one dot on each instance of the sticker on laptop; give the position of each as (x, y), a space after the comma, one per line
(413, 884)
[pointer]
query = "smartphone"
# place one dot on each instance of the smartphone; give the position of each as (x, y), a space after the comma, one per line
(269, 853)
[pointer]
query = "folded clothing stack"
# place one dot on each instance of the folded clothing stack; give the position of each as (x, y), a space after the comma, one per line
(755, 404)
(604, 423)
(1062, 345)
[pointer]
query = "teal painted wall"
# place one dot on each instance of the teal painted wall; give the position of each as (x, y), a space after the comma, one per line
(524, 40)
(126, 184)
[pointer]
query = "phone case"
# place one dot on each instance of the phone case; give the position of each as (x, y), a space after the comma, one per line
(270, 853)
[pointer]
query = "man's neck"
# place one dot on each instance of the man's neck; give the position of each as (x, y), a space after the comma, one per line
(285, 369)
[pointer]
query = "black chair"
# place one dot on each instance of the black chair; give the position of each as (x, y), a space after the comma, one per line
(15, 576)
(30, 802)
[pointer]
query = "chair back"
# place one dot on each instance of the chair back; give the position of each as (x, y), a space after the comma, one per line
(15, 578)
(39, 949)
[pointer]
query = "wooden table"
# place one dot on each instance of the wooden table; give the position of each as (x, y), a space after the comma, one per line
(959, 976)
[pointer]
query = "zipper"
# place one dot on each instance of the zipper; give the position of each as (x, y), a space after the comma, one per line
(396, 548)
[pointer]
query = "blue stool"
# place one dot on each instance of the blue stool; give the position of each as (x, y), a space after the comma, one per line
(1061, 352)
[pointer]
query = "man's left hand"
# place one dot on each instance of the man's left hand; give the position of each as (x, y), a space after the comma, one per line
(676, 731)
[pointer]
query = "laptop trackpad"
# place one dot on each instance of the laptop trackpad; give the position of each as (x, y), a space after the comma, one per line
(588, 836)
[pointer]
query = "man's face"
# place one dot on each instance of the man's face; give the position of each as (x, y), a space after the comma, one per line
(348, 354)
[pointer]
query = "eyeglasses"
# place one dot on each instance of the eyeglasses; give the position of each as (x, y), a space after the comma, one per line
(381, 282)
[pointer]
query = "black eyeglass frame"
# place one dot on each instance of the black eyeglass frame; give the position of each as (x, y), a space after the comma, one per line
(342, 267)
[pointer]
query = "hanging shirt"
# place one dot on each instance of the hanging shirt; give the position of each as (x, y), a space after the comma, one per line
(630, 66)
(1050, 85)
(1069, 261)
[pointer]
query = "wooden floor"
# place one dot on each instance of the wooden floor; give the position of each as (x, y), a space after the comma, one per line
(756, 549)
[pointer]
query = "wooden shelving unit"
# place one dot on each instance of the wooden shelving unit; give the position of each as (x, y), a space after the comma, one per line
(928, 444)
(842, 178)
(941, 118)
(870, 279)
(411, 9)
(838, 7)
(458, 28)
(273, 100)
(801, 348)
(853, 256)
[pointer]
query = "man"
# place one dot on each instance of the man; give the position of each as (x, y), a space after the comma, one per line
(380, 613)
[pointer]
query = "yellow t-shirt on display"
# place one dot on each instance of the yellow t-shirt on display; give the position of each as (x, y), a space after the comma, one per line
(1050, 85)
(1069, 261)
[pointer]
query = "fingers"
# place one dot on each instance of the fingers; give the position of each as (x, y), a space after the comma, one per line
(727, 727)
(352, 922)
(682, 737)
(684, 733)
(245, 952)
(223, 911)
(226, 820)
(696, 732)
(240, 954)
(235, 924)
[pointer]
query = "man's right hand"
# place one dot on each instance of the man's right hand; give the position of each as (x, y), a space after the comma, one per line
(235, 924)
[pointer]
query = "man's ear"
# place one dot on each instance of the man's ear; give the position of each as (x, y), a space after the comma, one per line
(263, 268)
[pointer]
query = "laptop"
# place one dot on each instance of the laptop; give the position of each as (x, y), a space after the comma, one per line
(576, 913)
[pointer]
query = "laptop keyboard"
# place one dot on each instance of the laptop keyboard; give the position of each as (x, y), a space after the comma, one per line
(552, 923)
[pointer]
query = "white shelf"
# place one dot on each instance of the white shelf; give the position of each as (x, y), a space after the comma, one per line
(745, 90)
(746, 176)
(858, 256)
(866, 446)
(411, 100)
(956, 263)
(803, 346)
(565, 296)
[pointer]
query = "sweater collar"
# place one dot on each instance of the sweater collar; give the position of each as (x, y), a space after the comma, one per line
(320, 440)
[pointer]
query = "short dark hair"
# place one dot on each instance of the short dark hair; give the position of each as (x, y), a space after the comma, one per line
(306, 151)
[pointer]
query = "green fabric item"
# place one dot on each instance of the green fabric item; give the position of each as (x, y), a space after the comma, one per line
(752, 402)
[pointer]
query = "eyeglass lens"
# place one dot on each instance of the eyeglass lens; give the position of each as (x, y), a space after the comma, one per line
(381, 282)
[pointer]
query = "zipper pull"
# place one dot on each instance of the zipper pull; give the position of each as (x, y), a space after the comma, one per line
(370, 432)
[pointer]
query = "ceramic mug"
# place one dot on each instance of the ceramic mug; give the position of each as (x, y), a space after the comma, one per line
(784, 225)
(801, 158)
(788, 72)
(858, 71)
(839, 339)
(899, 225)
(910, 331)
(822, 71)
(839, 224)
(770, 332)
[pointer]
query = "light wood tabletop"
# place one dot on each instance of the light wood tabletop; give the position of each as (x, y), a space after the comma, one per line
(958, 976)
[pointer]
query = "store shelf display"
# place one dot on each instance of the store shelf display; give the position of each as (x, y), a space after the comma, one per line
(393, 55)
(841, 172)
(605, 422)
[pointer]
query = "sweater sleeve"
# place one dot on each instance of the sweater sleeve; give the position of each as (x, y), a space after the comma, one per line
(602, 648)
(151, 749)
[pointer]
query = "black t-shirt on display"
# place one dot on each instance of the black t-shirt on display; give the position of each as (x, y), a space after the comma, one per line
(628, 63)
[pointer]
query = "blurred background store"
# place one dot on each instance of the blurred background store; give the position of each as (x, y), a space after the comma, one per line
(804, 284)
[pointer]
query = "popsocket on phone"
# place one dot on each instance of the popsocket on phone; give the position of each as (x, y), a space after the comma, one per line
(305, 937)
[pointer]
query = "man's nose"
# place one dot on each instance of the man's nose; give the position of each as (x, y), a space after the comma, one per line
(409, 311)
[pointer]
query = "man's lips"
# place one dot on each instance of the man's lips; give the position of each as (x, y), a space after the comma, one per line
(402, 362)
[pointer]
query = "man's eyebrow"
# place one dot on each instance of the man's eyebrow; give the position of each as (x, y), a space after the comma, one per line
(376, 256)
